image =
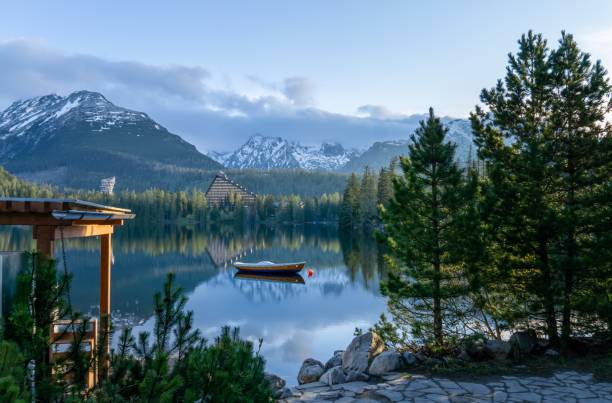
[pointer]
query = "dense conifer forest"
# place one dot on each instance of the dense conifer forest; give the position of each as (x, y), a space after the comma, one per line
(155, 206)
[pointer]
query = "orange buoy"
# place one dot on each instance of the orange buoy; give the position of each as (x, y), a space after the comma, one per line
(310, 272)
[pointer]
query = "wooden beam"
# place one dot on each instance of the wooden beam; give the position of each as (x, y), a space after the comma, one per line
(105, 273)
(105, 295)
(30, 219)
(81, 231)
(45, 239)
(97, 222)
(33, 218)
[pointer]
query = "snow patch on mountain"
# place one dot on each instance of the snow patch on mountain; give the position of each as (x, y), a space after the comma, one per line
(263, 152)
(44, 114)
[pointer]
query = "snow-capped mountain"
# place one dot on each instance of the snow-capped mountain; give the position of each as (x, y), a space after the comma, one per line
(276, 153)
(85, 137)
(263, 152)
(381, 153)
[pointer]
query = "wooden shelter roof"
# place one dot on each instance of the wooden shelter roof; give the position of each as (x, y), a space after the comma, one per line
(47, 205)
(59, 212)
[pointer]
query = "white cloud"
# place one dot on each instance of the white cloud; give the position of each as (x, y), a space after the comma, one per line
(375, 111)
(190, 102)
(299, 90)
(599, 44)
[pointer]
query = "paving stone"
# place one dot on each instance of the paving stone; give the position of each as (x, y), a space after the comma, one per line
(513, 386)
(433, 389)
(525, 397)
(310, 385)
(356, 387)
(412, 394)
(390, 394)
(438, 398)
(500, 396)
(475, 388)
(447, 384)
(568, 386)
(333, 394)
(421, 384)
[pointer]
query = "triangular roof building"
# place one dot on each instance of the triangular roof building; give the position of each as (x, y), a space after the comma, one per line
(222, 188)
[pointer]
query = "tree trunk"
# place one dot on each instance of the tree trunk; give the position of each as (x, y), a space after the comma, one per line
(549, 302)
(437, 299)
(569, 268)
(437, 309)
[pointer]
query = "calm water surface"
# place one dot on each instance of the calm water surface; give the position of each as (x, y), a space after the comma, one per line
(296, 321)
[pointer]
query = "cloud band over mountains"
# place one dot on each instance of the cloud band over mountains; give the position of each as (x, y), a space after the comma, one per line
(183, 99)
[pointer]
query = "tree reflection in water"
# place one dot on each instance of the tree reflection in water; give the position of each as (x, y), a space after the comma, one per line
(143, 255)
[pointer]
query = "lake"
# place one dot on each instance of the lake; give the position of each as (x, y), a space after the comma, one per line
(296, 321)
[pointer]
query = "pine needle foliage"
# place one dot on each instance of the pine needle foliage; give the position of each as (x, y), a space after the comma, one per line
(425, 281)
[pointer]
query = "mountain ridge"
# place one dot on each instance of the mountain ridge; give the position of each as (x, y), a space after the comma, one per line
(85, 135)
(274, 152)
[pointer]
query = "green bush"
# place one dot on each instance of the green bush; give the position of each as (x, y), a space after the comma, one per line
(227, 371)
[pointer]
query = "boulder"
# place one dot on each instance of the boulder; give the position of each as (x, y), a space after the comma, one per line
(410, 359)
(334, 361)
(551, 353)
(475, 347)
(464, 356)
(310, 371)
(286, 393)
(353, 376)
(277, 384)
(333, 376)
(421, 356)
(524, 341)
(387, 361)
(360, 352)
(497, 349)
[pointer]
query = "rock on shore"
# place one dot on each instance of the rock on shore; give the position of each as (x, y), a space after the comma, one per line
(361, 351)
(310, 371)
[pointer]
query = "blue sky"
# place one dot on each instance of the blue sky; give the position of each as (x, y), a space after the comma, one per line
(201, 68)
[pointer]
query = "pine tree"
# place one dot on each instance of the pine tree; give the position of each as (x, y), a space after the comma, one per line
(368, 200)
(350, 210)
(547, 149)
(424, 279)
(581, 134)
(385, 184)
(513, 141)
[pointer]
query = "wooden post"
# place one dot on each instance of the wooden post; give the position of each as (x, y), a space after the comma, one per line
(105, 294)
(45, 239)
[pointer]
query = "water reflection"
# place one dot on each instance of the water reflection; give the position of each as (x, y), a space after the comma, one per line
(297, 317)
(292, 278)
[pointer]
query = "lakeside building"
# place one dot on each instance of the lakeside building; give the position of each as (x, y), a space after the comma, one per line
(223, 190)
(107, 185)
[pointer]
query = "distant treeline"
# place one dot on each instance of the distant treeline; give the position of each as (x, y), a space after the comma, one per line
(362, 198)
(275, 182)
(160, 206)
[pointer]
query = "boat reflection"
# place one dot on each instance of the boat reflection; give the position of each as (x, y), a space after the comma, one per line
(274, 278)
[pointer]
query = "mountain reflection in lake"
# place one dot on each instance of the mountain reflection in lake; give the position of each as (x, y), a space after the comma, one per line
(295, 320)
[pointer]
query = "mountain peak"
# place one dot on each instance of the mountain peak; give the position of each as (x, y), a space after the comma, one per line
(273, 152)
(90, 97)
(50, 130)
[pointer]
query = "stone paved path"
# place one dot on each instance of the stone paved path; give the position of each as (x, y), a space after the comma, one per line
(561, 387)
